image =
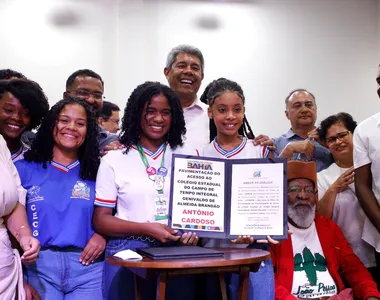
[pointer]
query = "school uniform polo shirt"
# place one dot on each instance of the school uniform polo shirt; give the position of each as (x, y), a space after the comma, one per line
(245, 150)
(19, 154)
(59, 203)
(122, 182)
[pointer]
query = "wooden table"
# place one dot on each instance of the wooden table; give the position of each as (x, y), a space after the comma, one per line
(241, 261)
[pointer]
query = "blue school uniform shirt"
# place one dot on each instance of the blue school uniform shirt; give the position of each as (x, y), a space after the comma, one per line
(59, 203)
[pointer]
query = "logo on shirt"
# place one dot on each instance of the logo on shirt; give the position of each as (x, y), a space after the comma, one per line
(33, 194)
(81, 190)
(311, 264)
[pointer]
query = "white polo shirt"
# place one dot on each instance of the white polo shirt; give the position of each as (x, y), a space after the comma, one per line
(246, 149)
(347, 213)
(367, 151)
(122, 182)
(197, 124)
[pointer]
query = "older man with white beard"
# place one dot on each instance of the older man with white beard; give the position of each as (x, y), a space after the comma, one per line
(316, 260)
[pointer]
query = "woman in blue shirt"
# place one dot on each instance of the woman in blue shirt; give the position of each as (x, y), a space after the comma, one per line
(59, 175)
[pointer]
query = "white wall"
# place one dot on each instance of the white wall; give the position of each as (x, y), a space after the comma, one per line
(270, 47)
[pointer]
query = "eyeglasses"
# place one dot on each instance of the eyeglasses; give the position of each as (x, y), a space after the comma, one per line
(88, 94)
(296, 189)
(341, 136)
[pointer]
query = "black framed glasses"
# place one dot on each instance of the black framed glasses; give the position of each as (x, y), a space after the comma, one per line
(341, 136)
(296, 189)
(87, 94)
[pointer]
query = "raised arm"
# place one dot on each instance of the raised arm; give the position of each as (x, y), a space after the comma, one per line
(327, 197)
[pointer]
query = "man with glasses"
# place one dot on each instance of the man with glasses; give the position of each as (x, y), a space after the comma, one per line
(89, 86)
(316, 260)
(301, 141)
(367, 175)
(109, 117)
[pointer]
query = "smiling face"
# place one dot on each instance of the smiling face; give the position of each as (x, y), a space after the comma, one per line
(301, 202)
(155, 121)
(89, 89)
(185, 76)
(71, 128)
(339, 141)
(301, 110)
(227, 111)
(14, 118)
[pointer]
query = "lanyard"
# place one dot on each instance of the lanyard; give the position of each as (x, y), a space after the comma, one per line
(156, 176)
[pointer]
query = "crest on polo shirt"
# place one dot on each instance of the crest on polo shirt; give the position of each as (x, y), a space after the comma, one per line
(33, 194)
(81, 190)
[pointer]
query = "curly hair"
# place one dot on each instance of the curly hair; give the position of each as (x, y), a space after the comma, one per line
(88, 154)
(131, 125)
(214, 90)
(9, 73)
(342, 117)
(31, 97)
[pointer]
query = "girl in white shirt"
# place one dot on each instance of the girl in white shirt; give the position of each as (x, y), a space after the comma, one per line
(135, 184)
(231, 137)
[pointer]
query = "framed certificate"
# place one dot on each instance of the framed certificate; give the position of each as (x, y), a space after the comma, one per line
(225, 198)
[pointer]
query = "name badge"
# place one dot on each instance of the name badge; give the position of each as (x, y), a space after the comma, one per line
(161, 209)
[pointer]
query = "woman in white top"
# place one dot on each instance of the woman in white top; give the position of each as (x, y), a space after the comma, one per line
(13, 218)
(336, 190)
(135, 184)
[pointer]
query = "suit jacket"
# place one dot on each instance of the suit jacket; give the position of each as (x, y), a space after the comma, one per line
(342, 263)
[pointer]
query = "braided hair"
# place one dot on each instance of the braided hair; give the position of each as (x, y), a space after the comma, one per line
(214, 90)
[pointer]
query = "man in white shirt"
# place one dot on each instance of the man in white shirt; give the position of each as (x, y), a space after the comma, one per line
(184, 71)
(367, 175)
(316, 260)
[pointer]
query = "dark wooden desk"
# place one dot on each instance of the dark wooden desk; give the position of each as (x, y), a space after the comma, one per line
(241, 261)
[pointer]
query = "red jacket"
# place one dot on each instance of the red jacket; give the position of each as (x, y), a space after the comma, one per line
(341, 263)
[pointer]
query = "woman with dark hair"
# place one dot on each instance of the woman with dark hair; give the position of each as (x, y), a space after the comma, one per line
(223, 84)
(136, 182)
(23, 105)
(336, 190)
(230, 136)
(59, 174)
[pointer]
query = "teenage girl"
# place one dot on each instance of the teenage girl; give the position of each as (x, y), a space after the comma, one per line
(135, 183)
(231, 137)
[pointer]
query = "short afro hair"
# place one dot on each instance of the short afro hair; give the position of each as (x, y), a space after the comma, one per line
(82, 72)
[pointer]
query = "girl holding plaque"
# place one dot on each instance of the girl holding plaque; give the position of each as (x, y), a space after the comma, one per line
(231, 137)
(135, 183)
